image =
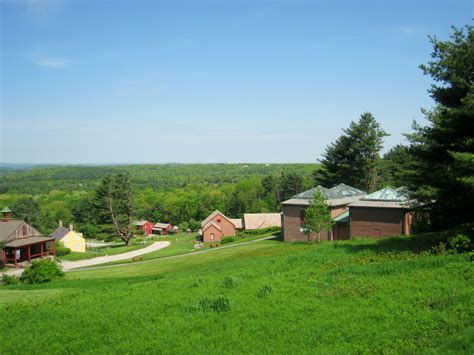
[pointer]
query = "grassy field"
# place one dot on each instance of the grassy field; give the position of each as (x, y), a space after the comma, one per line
(358, 296)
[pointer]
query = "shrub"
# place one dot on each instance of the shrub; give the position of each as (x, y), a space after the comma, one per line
(196, 283)
(206, 304)
(10, 280)
(460, 243)
(261, 231)
(227, 240)
(229, 282)
(61, 249)
(265, 290)
(41, 271)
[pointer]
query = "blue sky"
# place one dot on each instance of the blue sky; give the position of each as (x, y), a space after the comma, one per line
(209, 81)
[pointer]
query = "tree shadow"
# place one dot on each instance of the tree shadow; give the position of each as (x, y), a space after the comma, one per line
(414, 244)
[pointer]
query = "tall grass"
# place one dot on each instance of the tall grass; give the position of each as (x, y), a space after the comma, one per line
(265, 297)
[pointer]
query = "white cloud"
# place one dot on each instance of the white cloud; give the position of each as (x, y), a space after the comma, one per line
(50, 62)
(408, 30)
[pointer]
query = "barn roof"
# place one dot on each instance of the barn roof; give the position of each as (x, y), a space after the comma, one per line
(237, 222)
(8, 227)
(209, 224)
(261, 220)
(161, 225)
(27, 241)
(140, 223)
(212, 215)
(59, 233)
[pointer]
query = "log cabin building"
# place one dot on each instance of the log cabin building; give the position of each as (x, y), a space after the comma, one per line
(21, 242)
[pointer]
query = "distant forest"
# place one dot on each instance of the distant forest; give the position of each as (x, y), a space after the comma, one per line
(182, 194)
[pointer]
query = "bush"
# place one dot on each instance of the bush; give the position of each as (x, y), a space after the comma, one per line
(61, 249)
(229, 282)
(196, 283)
(41, 271)
(206, 304)
(261, 231)
(460, 243)
(10, 280)
(227, 240)
(265, 291)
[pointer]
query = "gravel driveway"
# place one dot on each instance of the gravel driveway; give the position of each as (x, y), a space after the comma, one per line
(68, 265)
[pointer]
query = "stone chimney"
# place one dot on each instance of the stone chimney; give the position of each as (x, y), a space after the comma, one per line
(6, 214)
(71, 227)
(60, 223)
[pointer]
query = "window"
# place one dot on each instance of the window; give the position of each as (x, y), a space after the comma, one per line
(212, 236)
(219, 220)
(301, 220)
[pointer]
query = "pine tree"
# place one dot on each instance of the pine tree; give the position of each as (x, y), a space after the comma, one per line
(354, 157)
(442, 175)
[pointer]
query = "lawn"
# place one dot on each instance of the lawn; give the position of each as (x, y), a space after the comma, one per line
(183, 243)
(358, 296)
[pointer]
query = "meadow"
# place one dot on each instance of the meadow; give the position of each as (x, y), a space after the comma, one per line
(357, 296)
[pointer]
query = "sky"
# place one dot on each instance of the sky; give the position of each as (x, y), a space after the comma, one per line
(140, 81)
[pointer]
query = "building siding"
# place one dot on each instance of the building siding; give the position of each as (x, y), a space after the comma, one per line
(292, 224)
(206, 234)
(227, 228)
(378, 222)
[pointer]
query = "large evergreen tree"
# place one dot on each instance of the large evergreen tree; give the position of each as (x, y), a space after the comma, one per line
(354, 157)
(113, 198)
(442, 173)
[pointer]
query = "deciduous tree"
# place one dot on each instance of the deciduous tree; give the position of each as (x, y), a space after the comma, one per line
(317, 216)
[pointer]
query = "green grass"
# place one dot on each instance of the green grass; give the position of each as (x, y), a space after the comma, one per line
(359, 296)
(183, 243)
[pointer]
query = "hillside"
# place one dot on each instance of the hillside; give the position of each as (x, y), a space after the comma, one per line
(267, 297)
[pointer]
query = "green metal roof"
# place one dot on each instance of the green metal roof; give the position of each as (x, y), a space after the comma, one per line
(6, 210)
(388, 194)
(342, 218)
(338, 191)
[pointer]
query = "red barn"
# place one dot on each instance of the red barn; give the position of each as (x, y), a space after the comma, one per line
(146, 226)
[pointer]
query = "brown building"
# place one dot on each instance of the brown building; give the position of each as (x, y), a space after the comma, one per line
(338, 199)
(217, 226)
(385, 213)
(21, 241)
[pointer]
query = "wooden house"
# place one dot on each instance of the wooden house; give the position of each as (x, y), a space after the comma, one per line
(146, 226)
(21, 242)
(69, 238)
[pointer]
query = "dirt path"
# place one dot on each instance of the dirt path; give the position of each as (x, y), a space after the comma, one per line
(68, 265)
(178, 255)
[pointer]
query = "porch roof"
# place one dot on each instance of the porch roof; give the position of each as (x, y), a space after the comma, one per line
(27, 241)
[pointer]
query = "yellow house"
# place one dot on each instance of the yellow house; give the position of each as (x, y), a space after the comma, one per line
(70, 238)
